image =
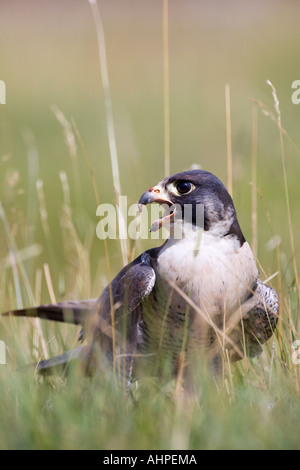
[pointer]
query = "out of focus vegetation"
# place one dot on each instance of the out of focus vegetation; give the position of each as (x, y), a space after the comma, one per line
(48, 246)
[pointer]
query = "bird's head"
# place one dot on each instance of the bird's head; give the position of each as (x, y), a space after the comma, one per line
(197, 199)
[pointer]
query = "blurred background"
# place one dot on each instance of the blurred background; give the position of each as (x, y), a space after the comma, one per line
(49, 61)
(49, 56)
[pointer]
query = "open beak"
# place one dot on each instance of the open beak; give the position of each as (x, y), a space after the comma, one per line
(158, 194)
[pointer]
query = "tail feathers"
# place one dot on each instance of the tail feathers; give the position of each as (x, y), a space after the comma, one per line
(89, 359)
(73, 312)
(62, 362)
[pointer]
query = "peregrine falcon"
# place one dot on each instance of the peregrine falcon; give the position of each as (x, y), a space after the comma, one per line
(198, 292)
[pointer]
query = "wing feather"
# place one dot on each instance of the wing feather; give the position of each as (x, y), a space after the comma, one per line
(74, 312)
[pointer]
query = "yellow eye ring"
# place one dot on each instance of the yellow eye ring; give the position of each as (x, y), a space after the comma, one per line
(181, 188)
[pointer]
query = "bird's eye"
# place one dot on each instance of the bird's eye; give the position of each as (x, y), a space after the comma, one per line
(184, 187)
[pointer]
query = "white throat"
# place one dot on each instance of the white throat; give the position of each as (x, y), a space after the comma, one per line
(216, 271)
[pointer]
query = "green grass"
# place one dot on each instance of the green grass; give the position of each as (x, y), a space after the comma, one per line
(48, 244)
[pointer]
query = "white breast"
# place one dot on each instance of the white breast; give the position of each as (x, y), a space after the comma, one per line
(216, 273)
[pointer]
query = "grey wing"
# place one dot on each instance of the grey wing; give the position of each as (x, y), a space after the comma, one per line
(260, 322)
(130, 287)
(116, 316)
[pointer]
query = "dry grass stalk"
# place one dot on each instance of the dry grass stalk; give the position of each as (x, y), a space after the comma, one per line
(228, 139)
(254, 182)
(166, 88)
(277, 109)
(110, 126)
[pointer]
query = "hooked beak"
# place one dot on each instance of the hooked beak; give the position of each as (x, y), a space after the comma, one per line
(157, 194)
